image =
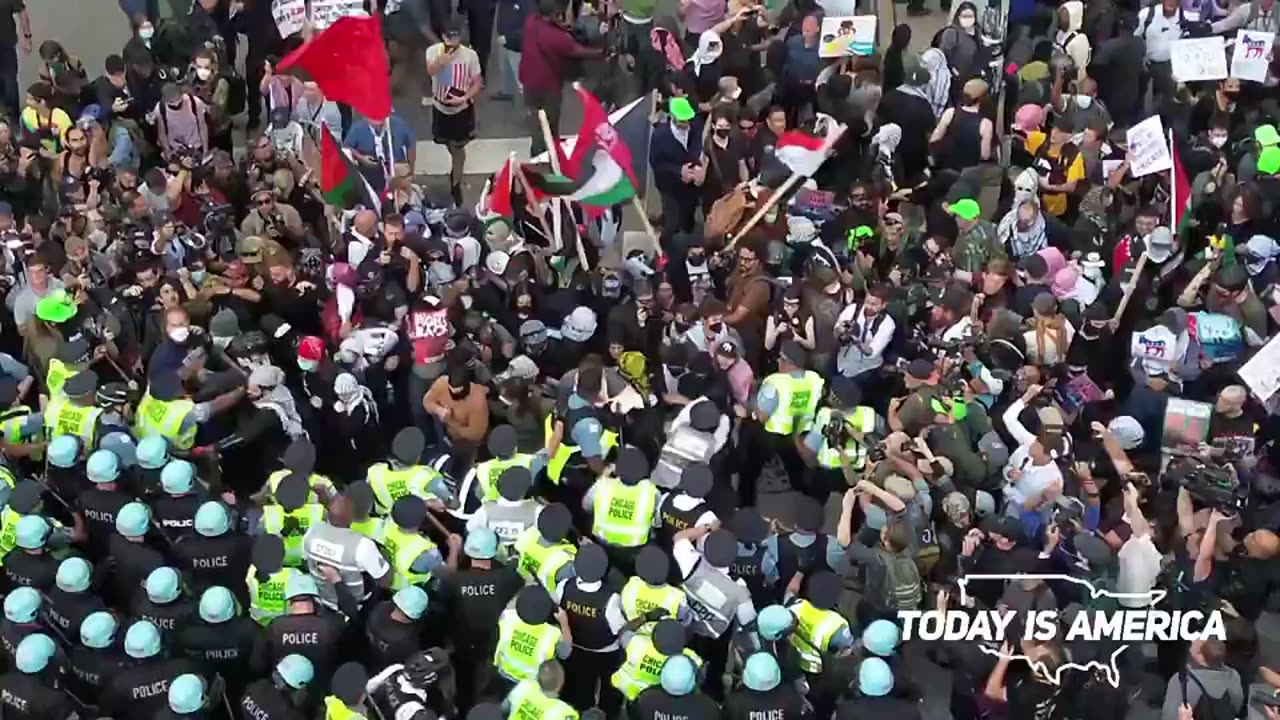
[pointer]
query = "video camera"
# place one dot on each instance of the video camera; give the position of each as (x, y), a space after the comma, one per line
(1209, 483)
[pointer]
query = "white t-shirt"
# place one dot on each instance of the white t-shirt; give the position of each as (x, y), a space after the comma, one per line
(370, 559)
(1139, 568)
(1162, 31)
(456, 76)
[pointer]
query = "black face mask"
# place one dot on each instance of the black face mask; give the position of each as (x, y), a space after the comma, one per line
(722, 133)
(458, 394)
(716, 327)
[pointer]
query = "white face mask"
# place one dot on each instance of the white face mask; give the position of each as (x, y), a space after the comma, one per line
(204, 73)
(179, 334)
(146, 32)
(1217, 140)
(1084, 101)
(966, 21)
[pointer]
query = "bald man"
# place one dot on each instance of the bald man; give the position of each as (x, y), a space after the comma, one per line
(362, 237)
(333, 543)
(1231, 429)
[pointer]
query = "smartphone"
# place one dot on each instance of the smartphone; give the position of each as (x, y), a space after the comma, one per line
(454, 92)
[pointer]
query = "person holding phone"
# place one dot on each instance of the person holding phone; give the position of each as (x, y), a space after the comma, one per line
(456, 80)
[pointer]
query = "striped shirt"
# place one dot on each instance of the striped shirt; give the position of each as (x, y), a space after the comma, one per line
(459, 74)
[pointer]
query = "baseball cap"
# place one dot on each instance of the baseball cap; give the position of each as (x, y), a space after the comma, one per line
(1266, 135)
(681, 109)
(497, 262)
(761, 672)
(177, 477)
(212, 519)
(965, 209)
(412, 601)
(21, 605)
(142, 640)
(875, 679)
(163, 585)
(296, 671)
(33, 653)
(994, 449)
(1127, 431)
(217, 605)
(74, 575)
(133, 520)
(98, 630)
(31, 532)
(481, 544)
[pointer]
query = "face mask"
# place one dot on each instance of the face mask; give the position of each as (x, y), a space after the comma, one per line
(179, 334)
(457, 394)
(197, 276)
(716, 327)
(204, 73)
(1218, 140)
(146, 32)
(222, 343)
(307, 365)
(1084, 101)
(966, 21)
(722, 132)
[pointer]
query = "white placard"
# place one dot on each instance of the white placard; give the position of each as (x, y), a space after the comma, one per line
(326, 12)
(1251, 55)
(1262, 372)
(1199, 58)
(833, 8)
(290, 16)
(1148, 147)
(847, 35)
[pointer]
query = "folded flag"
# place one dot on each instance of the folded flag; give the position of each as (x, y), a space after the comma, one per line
(341, 183)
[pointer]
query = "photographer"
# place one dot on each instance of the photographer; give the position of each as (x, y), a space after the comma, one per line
(181, 121)
(272, 220)
(1032, 474)
(865, 331)
(790, 322)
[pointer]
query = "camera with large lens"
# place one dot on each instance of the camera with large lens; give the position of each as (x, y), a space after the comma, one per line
(835, 433)
(1208, 483)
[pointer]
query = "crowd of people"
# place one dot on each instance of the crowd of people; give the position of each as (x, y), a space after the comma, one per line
(268, 456)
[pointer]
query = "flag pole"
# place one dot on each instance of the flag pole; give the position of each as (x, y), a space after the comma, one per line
(549, 138)
(1173, 187)
(648, 227)
(518, 177)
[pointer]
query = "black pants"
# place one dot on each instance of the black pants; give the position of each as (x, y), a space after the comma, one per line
(715, 655)
(678, 211)
(537, 100)
(1159, 77)
(9, 95)
(480, 14)
(587, 684)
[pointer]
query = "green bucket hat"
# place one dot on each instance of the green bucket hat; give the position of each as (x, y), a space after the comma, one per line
(56, 307)
(965, 209)
(681, 109)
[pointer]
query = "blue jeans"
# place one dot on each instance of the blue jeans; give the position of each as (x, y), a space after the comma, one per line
(509, 72)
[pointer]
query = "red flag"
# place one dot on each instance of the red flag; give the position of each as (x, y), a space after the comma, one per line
(348, 60)
(498, 198)
(1179, 190)
(596, 134)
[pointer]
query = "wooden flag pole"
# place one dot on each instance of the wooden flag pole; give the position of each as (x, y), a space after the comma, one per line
(549, 139)
(1130, 287)
(517, 176)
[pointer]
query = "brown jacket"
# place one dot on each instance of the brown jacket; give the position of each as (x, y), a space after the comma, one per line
(468, 418)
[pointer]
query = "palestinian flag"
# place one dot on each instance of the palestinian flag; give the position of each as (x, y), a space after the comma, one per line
(495, 199)
(1179, 193)
(341, 183)
(599, 172)
(804, 152)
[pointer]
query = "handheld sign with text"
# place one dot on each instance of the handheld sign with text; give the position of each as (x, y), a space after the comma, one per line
(1251, 55)
(1148, 147)
(1199, 58)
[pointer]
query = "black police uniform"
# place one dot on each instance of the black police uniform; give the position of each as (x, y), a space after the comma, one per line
(141, 690)
(169, 617)
(223, 648)
(99, 508)
(92, 669)
(589, 665)
(390, 641)
(881, 708)
(64, 611)
(12, 634)
(781, 703)
(25, 697)
(793, 559)
(674, 519)
(315, 636)
(131, 563)
(262, 700)
(209, 561)
(175, 515)
(26, 569)
(658, 704)
(475, 598)
(750, 570)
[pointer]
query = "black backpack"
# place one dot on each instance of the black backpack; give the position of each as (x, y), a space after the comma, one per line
(1209, 707)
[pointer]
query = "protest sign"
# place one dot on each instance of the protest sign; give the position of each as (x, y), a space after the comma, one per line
(1186, 423)
(847, 35)
(1148, 147)
(836, 8)
(1078, 391)
(290, 16)
(326, 12)
(1262, 372)
(1251, 55)
(1199, 58)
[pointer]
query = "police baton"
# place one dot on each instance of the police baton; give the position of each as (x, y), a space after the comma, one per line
(45, 484)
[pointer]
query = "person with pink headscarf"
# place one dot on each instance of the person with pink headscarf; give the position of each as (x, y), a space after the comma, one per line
(1069, 284)
(1054, 259)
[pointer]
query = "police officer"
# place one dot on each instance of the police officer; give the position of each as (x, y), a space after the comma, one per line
(694, 438)
(141, 689)
(686, 505)
(578, 434)
(21, 618)
(291, 515)
(153, 458)
(31, 691)
(162, 601)
(97, 506)
(220, 640)
(843, 419)
(774, 626)
(333, 544)
(30, 564)
(414, 557)
(113, 399)
(474, 599)
(267, 579)
(645, 653)
(394, 627)
(72, 358)
(623, 509)
(594, 608)
(483, 480)
(281, 696)
(875, 697)
(299, 457)
(511, 513)
(364, 522)
(675, 694)
(63, 471)
(214, 556)
(756, 565)
(648, 590)
(71, 600)
(21, 430)
(167, 410)
(174, 509)
(786, 404)
(820, 630)
(187, 699)
(806, 549)
(544, 555)
(404, 474)
(95, 659)
(763, 694)
(346, 698)
(307, 628)
(73, 412)
(716, 601)
(540, 697)
(529, 634)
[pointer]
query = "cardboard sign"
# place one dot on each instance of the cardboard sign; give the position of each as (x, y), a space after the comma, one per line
(1262, 372)
(1077, 391)
(1251, 55)
(326, 12)
(1148, 147)
(290, 16)
(1186, 423)
(847, 35)
(1199, 58)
